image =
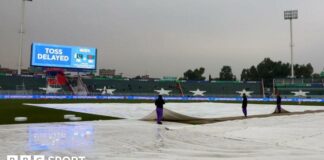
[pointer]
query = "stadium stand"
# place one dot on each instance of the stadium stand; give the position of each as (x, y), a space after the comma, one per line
(137, 87)
(314, 87)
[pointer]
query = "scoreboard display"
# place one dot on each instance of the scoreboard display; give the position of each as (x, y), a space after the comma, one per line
(61, 56)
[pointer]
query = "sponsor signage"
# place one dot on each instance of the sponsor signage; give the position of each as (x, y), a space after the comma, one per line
(176, 98)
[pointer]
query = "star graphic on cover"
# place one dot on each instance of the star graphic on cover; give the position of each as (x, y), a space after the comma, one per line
(106, 90)
(50, 89)
(300, 93)
(198, 92)
(163, 92)
(247, 93)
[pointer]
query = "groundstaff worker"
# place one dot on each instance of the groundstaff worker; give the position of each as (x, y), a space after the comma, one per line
(278, 103)
(159, 102)
(244, 105)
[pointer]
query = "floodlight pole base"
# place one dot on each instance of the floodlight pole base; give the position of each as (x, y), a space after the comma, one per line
(291, 50)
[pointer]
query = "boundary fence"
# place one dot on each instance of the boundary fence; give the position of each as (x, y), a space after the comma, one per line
(172, 98)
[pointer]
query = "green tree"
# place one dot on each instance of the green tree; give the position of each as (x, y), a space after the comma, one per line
(195, 74)
(210, 78)
(245, 75)
(281, 70)
(250, 74)
(254, 74)
(267, 70)
(303, 71)
(316, 75)
(226, 74)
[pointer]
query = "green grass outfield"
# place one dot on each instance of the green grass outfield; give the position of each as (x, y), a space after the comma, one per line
(9, 109)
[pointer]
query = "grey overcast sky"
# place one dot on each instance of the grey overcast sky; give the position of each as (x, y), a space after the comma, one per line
(167, 37)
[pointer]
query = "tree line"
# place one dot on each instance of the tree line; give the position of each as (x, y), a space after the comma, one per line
(197, 74)
(266, 70)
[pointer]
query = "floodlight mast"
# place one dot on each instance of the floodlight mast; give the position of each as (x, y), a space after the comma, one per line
(290, 15)
(21, 32)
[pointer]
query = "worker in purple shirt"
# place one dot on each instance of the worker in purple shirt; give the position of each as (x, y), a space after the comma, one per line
(159, 102)
(244, 105)
(278, 103)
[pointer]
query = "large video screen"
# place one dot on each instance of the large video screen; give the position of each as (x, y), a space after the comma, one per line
(61, 56)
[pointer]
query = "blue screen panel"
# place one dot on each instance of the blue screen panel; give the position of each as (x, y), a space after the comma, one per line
(74, 57)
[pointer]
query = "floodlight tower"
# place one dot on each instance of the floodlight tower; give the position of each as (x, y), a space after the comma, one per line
(290, 15)
(21, 32)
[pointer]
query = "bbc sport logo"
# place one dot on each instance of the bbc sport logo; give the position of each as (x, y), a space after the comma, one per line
(42, 157)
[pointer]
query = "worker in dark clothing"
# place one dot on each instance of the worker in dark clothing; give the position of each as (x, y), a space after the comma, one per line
(159, 109)
(244, 105)
(278, 103)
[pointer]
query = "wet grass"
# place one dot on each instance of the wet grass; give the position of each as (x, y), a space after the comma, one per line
(9, 109)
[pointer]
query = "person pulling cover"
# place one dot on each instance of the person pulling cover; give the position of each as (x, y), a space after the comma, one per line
(159, 102)
(244, 105)
(278, 103)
